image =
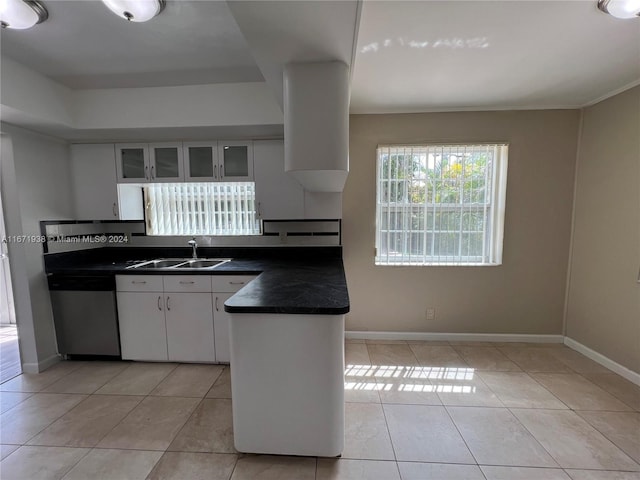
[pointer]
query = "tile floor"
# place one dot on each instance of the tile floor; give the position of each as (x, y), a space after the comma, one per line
(415, 410)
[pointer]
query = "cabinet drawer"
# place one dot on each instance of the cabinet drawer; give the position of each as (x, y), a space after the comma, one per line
(139, 283)
(187, 283)
(229, 283)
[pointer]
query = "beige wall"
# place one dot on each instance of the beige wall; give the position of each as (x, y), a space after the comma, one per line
(603, 308)
(523, 295)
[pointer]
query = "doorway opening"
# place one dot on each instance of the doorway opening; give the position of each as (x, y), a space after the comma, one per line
(10, 365)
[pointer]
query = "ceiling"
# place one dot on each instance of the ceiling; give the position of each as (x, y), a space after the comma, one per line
(405, 56)
(84, 45)
(473, 55)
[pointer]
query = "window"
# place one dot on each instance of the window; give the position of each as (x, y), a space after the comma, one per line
(220, 208)
(440, 204)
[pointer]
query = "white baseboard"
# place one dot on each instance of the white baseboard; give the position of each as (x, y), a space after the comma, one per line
(602, 360)
(40, 366)
(458, 337)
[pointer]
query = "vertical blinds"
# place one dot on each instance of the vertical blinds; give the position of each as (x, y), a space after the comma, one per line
(440, 204)
(220, 208)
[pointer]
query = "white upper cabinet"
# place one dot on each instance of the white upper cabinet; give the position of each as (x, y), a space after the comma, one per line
(165, 162)
(235, 161)
(93, 173)
(132, 162)
(155, 162)
(218, 161)
(279, 196)
(200, 161)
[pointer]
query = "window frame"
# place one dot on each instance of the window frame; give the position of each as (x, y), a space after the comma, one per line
(205, 220)
(493, 208)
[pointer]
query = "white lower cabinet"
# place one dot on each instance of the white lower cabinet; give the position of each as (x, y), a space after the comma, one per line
(143, 335)
(221, 325)
(190, 327)
(178, 318)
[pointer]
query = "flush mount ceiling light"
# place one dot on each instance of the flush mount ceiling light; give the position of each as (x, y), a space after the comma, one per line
(135, 10)
(620, 8)
(21, 14)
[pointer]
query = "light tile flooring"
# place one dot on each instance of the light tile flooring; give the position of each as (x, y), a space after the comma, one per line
(415, 410)
(9, 353)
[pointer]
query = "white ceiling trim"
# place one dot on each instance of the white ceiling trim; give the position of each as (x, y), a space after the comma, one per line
(377, 111)
(612, 93)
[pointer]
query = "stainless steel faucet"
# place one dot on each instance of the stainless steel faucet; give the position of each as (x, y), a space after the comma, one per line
(194, 247)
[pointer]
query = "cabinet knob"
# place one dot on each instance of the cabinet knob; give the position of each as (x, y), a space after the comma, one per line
(215, 171)
(146, 172)
(159, 303)
(153, 175)
(168, 304)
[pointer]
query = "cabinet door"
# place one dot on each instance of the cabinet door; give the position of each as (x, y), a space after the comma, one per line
(235, 160)
(190, 335)
(166, 162)
(143, 333)
(279, 196)
(93, 175)
(221, 325)
(200, 161)
(132, 162)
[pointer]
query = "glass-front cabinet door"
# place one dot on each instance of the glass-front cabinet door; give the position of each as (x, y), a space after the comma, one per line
(235, 161)
(166, 162)
(201, 161)
(132, 162)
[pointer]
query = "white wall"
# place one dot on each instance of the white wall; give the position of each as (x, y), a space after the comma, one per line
(44, 193)
(31, 100)
(603, 304)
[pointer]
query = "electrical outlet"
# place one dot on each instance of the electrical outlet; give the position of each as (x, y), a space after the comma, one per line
(431, 313)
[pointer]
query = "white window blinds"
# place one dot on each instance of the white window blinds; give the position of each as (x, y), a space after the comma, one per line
(440, 204)
(217, 208)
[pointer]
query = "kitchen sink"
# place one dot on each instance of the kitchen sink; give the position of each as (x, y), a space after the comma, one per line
(205, 263)
(180, 263)
(160, 263)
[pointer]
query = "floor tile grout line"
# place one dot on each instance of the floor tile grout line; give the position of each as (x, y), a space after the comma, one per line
(589, 424)
(386, 424)
(602, 388)
(455, 425)
(546, 389)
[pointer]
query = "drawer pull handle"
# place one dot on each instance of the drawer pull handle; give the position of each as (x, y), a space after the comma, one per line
(141, 282)
(168, 305)
(182, 282)
(236, 283)
(159, 304)
(217, 305)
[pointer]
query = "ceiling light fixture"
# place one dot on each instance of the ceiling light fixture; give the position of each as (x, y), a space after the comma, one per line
(21, 14)
(620, 8)
(135, 10)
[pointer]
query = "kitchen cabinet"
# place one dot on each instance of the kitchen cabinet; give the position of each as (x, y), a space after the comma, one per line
(235, 161)
(224, 286)
(143, 335)
(279, 196)
(178, 318)
(221, 326)
(154, 162)
(93, 176)
(200, 161)
(218, 161)
(189, 318)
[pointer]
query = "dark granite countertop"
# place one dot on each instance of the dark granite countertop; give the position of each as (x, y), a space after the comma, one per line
(291, 280)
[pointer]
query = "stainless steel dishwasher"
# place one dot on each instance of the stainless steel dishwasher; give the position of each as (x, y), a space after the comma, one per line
(84, 314)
